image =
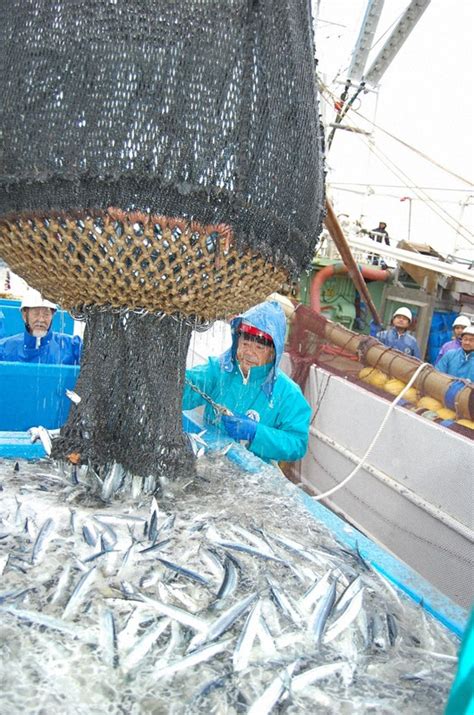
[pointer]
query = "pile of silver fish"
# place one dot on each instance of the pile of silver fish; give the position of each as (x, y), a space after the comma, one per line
(221, 596)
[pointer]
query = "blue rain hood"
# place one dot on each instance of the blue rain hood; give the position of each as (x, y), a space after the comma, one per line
(269, 318)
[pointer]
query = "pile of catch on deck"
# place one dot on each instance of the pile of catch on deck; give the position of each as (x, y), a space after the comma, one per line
(235, 602)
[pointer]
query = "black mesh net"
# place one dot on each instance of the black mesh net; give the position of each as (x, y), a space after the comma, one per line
(130, 388)
(199, 109)
(203, 113)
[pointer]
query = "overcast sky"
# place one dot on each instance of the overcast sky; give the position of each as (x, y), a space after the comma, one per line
(425, 99)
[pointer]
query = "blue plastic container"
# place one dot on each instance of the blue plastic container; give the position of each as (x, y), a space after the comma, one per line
(32, 394)
(440, 332)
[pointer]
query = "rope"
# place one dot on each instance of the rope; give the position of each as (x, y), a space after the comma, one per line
(377, 435)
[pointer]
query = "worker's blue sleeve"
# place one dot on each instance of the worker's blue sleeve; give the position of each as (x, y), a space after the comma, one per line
(204, 378)
(287, 437)
(53, 349)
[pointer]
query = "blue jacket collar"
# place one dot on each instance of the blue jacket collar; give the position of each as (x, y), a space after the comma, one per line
(32, 343)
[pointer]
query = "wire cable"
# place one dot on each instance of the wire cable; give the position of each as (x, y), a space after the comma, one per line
(395, 402)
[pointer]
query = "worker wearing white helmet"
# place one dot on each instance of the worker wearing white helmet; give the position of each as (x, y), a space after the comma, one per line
(460, 363)
(38, 342)
(461, 322)
(397, 336)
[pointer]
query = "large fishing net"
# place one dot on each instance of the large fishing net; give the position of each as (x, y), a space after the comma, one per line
(157, 158)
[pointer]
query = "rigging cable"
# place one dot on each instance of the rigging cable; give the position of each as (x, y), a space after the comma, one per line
(431, 203)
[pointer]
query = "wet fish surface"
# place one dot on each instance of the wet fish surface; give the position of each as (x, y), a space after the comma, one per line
(221, 596)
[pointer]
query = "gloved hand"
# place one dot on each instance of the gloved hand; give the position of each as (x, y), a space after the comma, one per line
(375, 328)
(239, 427)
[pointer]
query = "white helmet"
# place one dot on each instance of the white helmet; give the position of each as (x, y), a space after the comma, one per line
(34, 299)
(406, 312)
(469, 330)
(462, 320)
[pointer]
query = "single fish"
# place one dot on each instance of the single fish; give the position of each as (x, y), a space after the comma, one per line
(346, 617)
(260, 544)
(112, 482)
(221, 624)
(198, 656)
(349, 593)
(318, 589)
(143, 646)
(178, 614)
(392, 628)
(313, 675)
(241, 656)
(56, 624)
(41, 434)
(188, 573)
(62, 584)
(77, 596)
(271, 696)
(42, 540)
(3, 563)
(90, 533)
(297, 548)
(155, 547)
(73, 396)
(108, 638)
(229, 582)
(283, 603)
(322, 611)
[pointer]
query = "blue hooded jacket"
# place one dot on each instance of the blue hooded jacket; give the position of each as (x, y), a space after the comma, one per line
(266, 394)
(457, 363)
(53, 349)
(405, 342)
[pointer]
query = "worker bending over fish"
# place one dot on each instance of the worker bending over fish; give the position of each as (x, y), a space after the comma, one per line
(265, 407)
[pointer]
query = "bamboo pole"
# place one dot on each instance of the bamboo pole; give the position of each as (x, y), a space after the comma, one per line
(337, 235)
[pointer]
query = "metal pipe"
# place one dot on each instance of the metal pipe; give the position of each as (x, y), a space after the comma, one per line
(335, 269)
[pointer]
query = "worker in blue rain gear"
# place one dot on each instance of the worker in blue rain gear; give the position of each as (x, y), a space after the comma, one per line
(461, 322)
(268, 410)
(39, 343)
(397, 336)
(460, 363)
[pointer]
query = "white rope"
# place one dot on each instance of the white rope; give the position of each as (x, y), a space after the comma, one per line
(377, 435)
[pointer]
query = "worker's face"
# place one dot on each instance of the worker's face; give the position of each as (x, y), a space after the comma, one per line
(400, 322)
(251, 353)
(458, 330)
(38, 320)
(467, 343)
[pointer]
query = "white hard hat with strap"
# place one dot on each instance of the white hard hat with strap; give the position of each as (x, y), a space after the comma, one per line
(34, 299)
(406, 312)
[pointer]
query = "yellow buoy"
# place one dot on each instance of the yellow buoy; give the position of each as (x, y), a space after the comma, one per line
(466, 423)
(377, 378)
(446, 414)
(365, 373)
(411, 395)
(393, 386)
(429, 403)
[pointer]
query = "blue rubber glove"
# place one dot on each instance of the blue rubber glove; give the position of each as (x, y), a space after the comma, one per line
(375, 328)
(239, 427)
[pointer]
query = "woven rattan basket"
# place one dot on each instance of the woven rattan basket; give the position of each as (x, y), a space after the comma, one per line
(137, 261)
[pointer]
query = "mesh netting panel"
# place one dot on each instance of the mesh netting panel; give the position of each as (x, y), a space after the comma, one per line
(130, 387)
(203, 110)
